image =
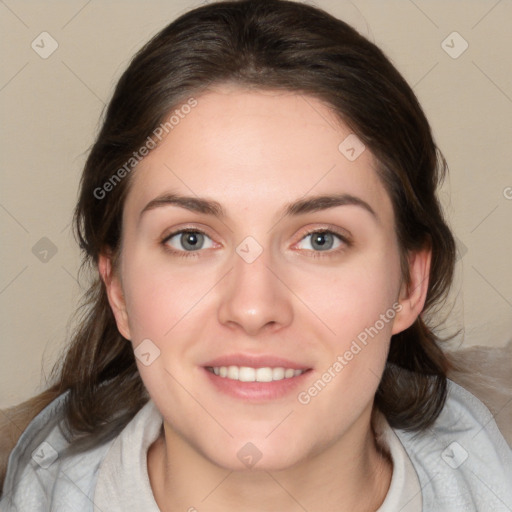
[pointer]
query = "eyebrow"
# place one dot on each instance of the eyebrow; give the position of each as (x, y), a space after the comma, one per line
(295, 208)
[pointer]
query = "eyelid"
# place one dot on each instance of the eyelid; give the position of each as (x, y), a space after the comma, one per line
(183, 229)
(344, 234)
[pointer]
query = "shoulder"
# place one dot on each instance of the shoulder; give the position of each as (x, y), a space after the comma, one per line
(486, 373)
(463, 461)
(40, 476)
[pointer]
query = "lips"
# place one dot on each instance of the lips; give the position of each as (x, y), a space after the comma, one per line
(255, 377)
(255, 361)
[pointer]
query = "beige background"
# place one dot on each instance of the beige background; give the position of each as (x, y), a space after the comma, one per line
(50, 110)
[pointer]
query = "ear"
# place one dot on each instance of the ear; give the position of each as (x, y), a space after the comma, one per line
(413, 294)
(115, 293)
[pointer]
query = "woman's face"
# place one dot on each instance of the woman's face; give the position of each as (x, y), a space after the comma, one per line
(251, 293)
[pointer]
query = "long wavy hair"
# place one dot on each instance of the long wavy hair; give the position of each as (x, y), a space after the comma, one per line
(259, 44)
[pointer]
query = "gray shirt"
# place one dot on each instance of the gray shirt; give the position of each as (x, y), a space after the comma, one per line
(123, 482)
(461, 463)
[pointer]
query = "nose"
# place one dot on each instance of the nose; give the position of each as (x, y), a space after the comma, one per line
(254, 297)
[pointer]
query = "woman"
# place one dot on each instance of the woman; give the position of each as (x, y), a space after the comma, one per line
(260, 213)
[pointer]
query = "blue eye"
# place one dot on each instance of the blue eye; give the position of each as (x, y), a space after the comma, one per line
(323, 241)
(188, 240)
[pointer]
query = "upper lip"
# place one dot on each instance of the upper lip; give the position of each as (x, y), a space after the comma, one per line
(255, 361)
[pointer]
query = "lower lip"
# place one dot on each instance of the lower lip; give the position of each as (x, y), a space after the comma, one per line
(256, 391)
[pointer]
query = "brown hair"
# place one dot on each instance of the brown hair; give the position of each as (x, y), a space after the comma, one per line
(262, 44)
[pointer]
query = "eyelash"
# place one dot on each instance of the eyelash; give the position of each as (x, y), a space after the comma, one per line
(314, 254)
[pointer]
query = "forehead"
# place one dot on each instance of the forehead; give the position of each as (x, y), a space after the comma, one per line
(247, 148)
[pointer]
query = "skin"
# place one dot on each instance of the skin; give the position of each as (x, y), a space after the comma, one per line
(254, 152)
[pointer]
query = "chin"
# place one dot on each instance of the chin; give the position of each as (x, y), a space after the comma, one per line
(257, 455)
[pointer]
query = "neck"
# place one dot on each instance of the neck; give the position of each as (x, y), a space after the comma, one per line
(352, 475)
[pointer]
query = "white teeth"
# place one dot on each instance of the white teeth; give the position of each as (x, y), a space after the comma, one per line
(278, 373)
(233, 372)
(248, 374)
(264, 374)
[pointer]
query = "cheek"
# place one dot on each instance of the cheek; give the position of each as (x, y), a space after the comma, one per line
(352, 297)
(159, 296)
(357, 303)
(163, 304)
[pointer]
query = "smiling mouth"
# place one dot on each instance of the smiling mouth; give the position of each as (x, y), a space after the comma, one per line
(250, 374)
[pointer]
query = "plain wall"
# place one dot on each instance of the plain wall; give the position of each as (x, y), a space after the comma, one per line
(50, 110)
